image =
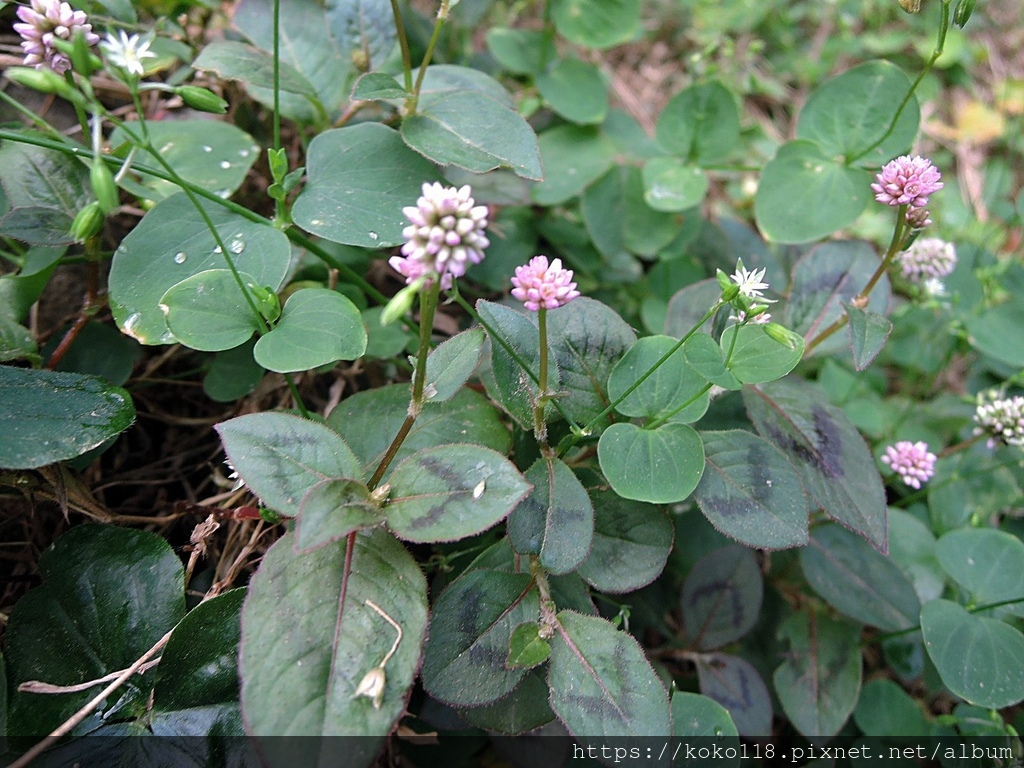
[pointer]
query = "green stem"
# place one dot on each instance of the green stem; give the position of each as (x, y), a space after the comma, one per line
(442, 16)
(654, 424)
(571, 439)
(279, 214)
(939, 44)
(540, 429)
(403, 43)
(910, 630)
(79, 110)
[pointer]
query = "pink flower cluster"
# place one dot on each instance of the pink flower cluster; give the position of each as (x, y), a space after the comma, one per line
(540, 285)
(445, 235)
(44, 21)
(907, 181)
(911, 461)
(927, 258)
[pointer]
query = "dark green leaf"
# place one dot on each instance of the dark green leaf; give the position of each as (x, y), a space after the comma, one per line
(449, 492)
(232, 374)
(673, 385)
(602, 684)
(721, 598)
(363, 28)
(520, 51)
(524, 709)
(208, 311)
(573, 157)
(237, 61)
(868, 334)
(556, 521)
(855, 579)
(305, 650)
(736, 685)
(819, 682)
(660, 465)
(527, 648)
(912, 548)
(575, 90)
(281, 457)
(989, 564)
(802, 178)
(996, 332)
(701, 124)
(173, 243)
(994, 678)
(827, 452)
(696, 715)
(45, 190)
(377, 86)
(98, 350)
(317, 326)
(331, 510)
(596, 23)
(370, 420)
(50, 416)
(464, 660)
(108, 595)
(632, 541)
(360, 178)
(688, 306)
(452, 363)
(750, 492)
(885, 709)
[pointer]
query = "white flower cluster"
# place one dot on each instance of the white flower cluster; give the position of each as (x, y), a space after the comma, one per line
(1001, 418)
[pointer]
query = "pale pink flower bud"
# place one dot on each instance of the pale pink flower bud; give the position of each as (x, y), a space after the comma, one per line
(43, 21)
(539, 284)
(911, 461)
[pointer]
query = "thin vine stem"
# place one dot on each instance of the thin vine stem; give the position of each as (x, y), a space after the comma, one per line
(403, 43)
(910, 630)
(442, 16)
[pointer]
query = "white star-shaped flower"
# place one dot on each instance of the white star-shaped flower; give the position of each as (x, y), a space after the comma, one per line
(127, 51)
(749, 281)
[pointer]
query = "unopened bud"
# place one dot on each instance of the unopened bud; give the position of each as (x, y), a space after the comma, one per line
(267, 302)
(372, 686)
(202, 99)
(87, 223)
(784, 336)
(400, 303)
(103, 185)
(44, 81)
(963, 12)
(910, 6)
(380, 494)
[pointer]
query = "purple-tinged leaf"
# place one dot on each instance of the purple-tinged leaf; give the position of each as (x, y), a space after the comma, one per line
(736, 685)
(721, 598)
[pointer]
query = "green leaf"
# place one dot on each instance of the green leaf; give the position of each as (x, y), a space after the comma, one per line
(995, 332)
(208, 311)
(602, 684)
(232, 374)
(696, 715)
(632, 542)
(989, 564)
(750, 492)
(912, 548)
(360, 178)
(706, 357)
(16, 341)
(524, 709)
(98, 350)
(851, 112)
(449, 492)
(721, 599)
(672, 385)
(672, 184)
(173, 243)
(331, 510)
(521, 51)
(232, 60)
(363, 28)
(199, 665)
(473, 131)
(50, 416)
(660, 465)
(20, 290)
(527, 648)
(305, 650)
(442, 80)
(317, 326)
(701, 124)
(825, 279)
(596, 23)
(556, 521)
(868, 334)
(575, 90)
(108, 595)
(586, 339)
(885, 709)
(306, 46)
(208, 153)
(370, 420)
(451, 364)
(819, 682)
(516, 390)
(736, 685)
(687, 307)
(281, 457)
(995, 676)
(827, 452)
(473, 621)
(45, 190)
(842, 568)
(377, 86)
(573, 156)
(801, 178)
(756, 356)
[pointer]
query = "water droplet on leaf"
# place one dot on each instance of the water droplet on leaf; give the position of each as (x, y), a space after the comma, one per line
(180, 257)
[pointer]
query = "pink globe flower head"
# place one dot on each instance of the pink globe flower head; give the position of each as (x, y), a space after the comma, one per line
(446, 233)
(911, 461)
(907, 181)
(539, 284)
(42, 22)
(927, 258)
